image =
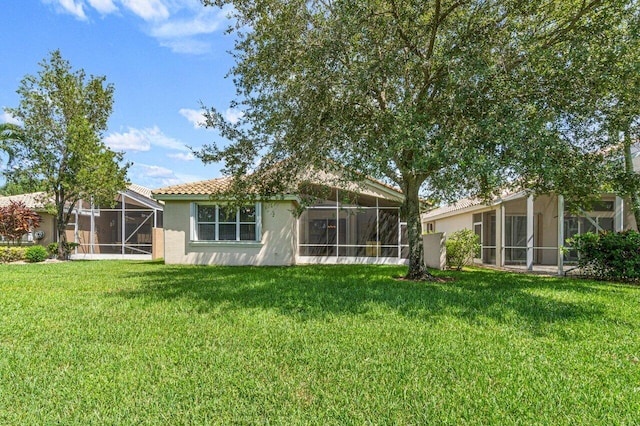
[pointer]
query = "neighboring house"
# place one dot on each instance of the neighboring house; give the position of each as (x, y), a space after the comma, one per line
(124, 231)
(518, 229)
(199, 228)
(45, 233)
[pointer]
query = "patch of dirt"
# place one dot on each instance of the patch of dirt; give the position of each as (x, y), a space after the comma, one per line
(426, 280)
(24, 262)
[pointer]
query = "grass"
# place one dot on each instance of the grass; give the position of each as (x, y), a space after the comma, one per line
(144, 343)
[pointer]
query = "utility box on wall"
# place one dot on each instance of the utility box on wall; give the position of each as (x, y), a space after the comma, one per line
(435, 250)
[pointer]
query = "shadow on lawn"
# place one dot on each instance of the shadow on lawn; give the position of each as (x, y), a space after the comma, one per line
(310, 292)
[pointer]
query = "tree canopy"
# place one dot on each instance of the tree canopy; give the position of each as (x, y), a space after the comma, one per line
(439, 97)
(64, 114)
(618, 100)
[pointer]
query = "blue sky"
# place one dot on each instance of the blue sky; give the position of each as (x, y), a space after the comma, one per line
(164, 58)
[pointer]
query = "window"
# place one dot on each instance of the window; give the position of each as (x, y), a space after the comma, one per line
(222, 223)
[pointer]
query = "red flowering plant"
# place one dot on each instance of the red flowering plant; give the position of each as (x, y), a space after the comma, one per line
(16, 219)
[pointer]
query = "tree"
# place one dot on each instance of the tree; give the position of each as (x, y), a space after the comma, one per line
(64, 115)
(9, 134)
(12, 135)
(16, 219)
(444, 96)
(16, 185)
(618, 99)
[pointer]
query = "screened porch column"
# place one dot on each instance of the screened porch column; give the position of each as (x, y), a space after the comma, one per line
(92, 229)
(500, 235)
(618, 219)
(530, 233)
(124, 221)
(560, 233)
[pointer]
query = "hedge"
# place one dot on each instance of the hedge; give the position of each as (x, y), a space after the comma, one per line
(609, 255)
(12, 253)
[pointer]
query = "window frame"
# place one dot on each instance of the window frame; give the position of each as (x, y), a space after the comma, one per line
(195, 223)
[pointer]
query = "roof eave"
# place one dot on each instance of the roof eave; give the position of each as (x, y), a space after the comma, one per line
(210, 197)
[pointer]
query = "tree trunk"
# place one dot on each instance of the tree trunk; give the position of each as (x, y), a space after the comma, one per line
(633, 194)
(61, 226)
(62, 241)
(411, 207)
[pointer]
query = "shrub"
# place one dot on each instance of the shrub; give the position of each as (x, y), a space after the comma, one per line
(36, 254)
(461, 247)
(69, 247)
(16, 219)
(609, 255)
(11, 254)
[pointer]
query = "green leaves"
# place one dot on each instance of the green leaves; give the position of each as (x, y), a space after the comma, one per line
(63, 115)
(453, 96)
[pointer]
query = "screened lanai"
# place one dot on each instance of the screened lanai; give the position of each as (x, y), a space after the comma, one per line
(533, 233)
(352, 229)
(124, 230)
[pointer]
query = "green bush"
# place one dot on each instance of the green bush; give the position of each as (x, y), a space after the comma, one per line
(609, 255)
(12, 254)
(461, 248)
(69, 247)
(36, 254)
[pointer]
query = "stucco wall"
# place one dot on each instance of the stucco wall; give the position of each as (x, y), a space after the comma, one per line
(47, 224)
(276, 247)
(451, 224)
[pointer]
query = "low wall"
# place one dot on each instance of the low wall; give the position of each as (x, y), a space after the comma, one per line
(435, 250)
(157, 248)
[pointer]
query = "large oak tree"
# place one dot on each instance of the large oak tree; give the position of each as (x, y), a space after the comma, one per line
(63, 115)
(439, 97)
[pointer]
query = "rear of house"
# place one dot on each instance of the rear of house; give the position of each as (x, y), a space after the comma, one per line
(526, 231)
(45, 233)
(202, 229)
(124, 230)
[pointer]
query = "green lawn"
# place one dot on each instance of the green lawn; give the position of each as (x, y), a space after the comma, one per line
(144, 343)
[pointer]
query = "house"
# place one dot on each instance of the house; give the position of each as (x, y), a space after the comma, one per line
(124, 231)
(519, 229)
(46, 231)
(200, 227)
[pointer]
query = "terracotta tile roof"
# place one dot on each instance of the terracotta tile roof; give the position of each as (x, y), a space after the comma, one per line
(458, 205)
(33, 200)
(205, 187)
(467, 203)
(139, 189)
(212, 186)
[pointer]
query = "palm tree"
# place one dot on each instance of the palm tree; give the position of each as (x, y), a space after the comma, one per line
(9, 134)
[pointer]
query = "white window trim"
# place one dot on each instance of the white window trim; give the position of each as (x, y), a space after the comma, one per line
(193, 226)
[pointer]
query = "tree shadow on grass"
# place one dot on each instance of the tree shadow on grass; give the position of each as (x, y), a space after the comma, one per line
(317, 292)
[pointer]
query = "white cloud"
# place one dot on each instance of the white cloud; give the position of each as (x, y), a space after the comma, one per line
(143, 140)
(188, 156)
(175, 24)
(133, 140)
(189, 46)
(149, 10)
(72, 7)
(204, 23)
(233, 115)
(104, 6)
(195, 117)
(8, 118)
(153, 176)
(157, 171)
(157, 138)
